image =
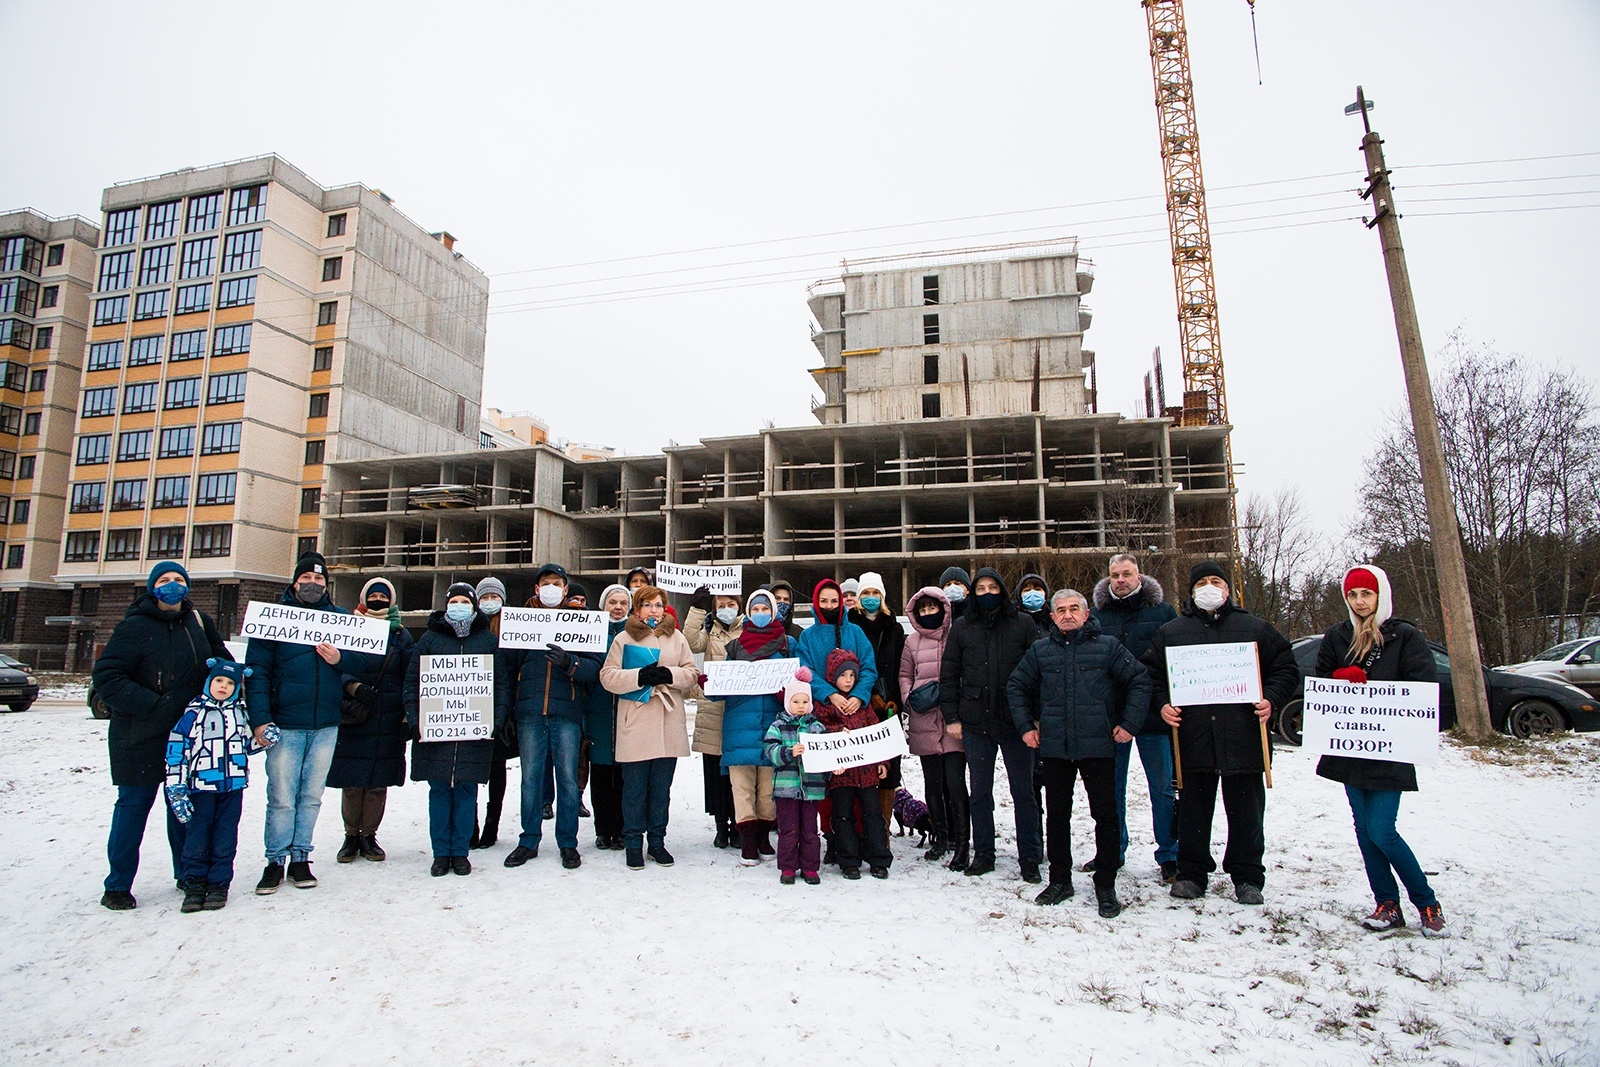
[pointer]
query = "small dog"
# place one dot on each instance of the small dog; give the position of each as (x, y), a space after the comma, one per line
(911, 815)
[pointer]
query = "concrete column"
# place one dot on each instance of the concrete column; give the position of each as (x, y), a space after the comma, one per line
(501, 494)
(727, 472)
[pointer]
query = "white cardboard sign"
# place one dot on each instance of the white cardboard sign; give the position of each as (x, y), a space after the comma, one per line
(1396, 721)
(313, 626)
(683, 578)
(743, 677)
(573, 629)
(455, 697)
(1213, 674)
(826, 753)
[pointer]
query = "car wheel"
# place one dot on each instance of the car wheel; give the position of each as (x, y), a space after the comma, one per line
(1289, 720)
(20, 707)
(1534, 718)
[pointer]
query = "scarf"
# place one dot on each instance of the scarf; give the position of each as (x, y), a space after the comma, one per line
(760, 643)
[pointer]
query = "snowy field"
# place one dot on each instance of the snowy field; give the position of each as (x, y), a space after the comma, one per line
(710, 962)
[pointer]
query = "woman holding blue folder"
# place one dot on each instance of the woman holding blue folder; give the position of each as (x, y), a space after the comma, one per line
(651, 670)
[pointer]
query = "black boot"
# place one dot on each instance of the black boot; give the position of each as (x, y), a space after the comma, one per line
(982, 863)
(216, 897)
(937, 848)
(723, 838)
(194, 896)
(828, 855)
(959, 859)
(491, 829)
(350, 849)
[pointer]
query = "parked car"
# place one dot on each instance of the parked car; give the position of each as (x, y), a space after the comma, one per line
(1521, 705)
(1574, 662)
(18, 687)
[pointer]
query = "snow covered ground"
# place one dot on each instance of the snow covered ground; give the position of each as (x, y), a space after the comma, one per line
(710, 962)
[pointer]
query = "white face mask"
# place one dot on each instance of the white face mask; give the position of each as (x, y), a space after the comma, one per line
(489, 605)
(551, 595)
(1209, 598)
(955, 593)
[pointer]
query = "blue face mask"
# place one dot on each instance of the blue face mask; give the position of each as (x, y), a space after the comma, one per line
(783, 610)
(1033, 600)
(458, 612)
(726, 615)
(871, 604)
(171, 593)
(760, 620)
(955, 593)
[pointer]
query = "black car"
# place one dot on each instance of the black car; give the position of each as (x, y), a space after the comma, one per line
(18, 687)
(1519, 704)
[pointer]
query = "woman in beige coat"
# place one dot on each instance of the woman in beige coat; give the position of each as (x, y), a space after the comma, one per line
(651, 669)
(712, 622)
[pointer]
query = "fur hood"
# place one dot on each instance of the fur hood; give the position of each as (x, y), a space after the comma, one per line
(1150, 591)
(639, 631)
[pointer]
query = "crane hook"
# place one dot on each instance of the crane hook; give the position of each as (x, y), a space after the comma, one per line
(1256, 40)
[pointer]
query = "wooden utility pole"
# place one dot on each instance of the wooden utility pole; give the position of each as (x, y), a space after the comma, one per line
(1460, 630)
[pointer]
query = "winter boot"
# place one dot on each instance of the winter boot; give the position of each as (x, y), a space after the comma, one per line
(1183, 889)
(461, 865)
(1385, 917)
(811, 877)
(1030, 873)
(194, 897)
(786, 878)
(635, 859)
(724, 835)
(763, 842)
(571, 859)
(749, 850)
(660, 855)
(372, 850)
(1169, 872)
(959, 859)
(1054, 893)
(216, 897)
(982, 863)
(1110, 907)
(937, 848)
(300, 874)
(441, 866)
(491, 828)
(1245, 893)
(271, 879)
(118, 900)
(828, 855)
(350, 849)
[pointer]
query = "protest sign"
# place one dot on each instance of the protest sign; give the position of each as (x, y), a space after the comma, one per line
(683, 578)
(743, 677)
(1213, 674)
(570, 628)
(455, 697)
(313, 626)
(825, 753)
(1396, 721)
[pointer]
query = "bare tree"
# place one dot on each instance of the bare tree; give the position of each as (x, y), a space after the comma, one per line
(1286, 562)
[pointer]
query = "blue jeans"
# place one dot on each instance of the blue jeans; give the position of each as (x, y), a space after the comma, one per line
(646, 801)
(297, 773)
(981, 752)
(452, 813)
(1383, 848)
(546, 743)
(212, 837)
(128, 820)
(1155, 753)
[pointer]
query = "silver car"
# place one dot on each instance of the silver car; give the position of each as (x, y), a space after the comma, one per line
(1576, 662)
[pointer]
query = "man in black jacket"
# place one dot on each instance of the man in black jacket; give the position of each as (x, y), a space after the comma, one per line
(1076, 696)
(1222, 742)
(986, 644)
(1130, 607)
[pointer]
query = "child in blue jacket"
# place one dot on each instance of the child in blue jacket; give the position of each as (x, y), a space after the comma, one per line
(207, 770)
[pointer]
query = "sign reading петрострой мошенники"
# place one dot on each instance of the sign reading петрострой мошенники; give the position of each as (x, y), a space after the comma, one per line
(313, 626)
(1396, 721)
(455, 697)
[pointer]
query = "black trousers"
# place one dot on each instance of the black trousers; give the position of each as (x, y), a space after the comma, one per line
(944, 779)
(1100, 782)
(1244, 798)
(850, 847)
(497, 792)
(605, 797)
(719, 788)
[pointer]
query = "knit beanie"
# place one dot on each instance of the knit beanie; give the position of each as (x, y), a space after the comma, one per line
(229, 669)
(955, 574)
(491, 585)
(1208, 569)
(838, 660)
(574, 590)
(872, 580)
(388, 586)
(605, 595)
(849, 585)
(1376, 579)
(462, 589)
(166, 566)
(310, 563)
(1360, 578)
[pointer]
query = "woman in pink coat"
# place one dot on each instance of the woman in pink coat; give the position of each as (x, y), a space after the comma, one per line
(944, 763)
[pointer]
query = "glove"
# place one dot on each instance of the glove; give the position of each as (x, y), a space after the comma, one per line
(178, 800)
(560, 659)
(394, 617)
(1351, 674)
(507, 734)
(367, 694)
(703, 600)
(655, 674)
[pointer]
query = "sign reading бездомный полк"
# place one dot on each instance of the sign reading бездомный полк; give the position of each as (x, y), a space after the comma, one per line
(313, 626)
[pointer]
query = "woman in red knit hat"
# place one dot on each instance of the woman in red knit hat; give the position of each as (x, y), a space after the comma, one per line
(1372, 646)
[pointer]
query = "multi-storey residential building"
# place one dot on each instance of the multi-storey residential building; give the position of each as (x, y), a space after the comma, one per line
(247, 327)
(47, 269)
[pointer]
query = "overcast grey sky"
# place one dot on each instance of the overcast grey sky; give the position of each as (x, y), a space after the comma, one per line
(545, 136)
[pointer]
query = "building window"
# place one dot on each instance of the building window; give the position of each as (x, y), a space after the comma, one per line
(116, 271)
(122, 544)
(144, 351)
(226, 388)
(305, 544)
(930, 288)
(322, 358)
(14, 556)
(231, 340)
(99, 402)
(10, 419)
(171, 492)
(83, 546)
(139, 397)
(247, 205)
(44, 337)
(192, 299)
(53, 257)
(336, 225)
(19, 333)
(182, 393)
(122, 227)
(212, 540)
(237, 292)
(319, 406)
(227, 604)
(112, 311)
(50, 296)
(151, 305)
(930, 370)
(315, 450)
(128, 494)
(19, 295)
(161, 221)
(930, 329)
(16, 375)
(88, 497)
(328, 313)
(155, 265)
(8, 464)
(190, 344)
(20, 253)
(930, 405)
(166, 542)
(220, 438)
(198, 257)
(332, 269)
(20, 511)
(215, 489)
(25, 468)
(241, 251)
(36, 380)
(30, 423)
(205, 212)
(176, 442)
(485, 441)
(134, 445)
(310, 501)
(105, 355)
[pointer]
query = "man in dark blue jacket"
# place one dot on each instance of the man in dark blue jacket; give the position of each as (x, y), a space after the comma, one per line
(1131, 607)
(301, 688)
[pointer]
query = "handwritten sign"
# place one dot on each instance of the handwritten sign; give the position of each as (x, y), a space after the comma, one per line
(570, 628)
(1396, 721)
(1213, 674)
(826, 753)
(682, 578)
(743, 677)
(313, 626)
(455, 697)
